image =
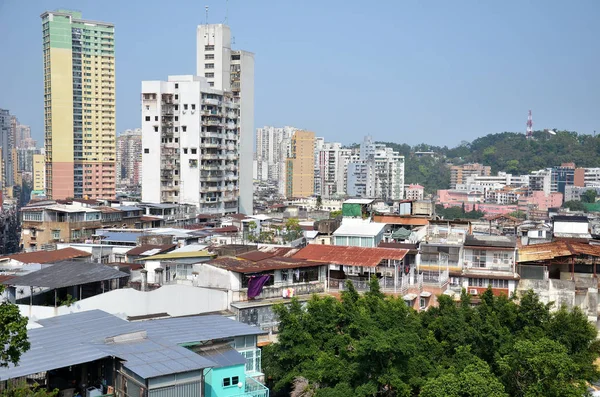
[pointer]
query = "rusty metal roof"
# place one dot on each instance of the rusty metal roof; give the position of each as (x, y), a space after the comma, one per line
(349, 256)
(556, 249)
(401, 220)
(268, 252)
(47, 256)
(140, 249)
(241, 265)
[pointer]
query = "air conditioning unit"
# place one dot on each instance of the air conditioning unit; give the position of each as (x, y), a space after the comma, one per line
(473, 291)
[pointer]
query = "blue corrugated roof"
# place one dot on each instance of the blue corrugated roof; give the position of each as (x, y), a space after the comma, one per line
(81, 337)
(121, 237)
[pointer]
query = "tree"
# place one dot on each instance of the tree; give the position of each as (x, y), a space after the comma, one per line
(574, 206)
(13, 333)
(22, 389)
(319, 202)
(589, 196)
(252, 230)
(371, 344)
(335, 214)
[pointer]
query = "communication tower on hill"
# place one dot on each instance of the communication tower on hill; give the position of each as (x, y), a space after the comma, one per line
(529, 132)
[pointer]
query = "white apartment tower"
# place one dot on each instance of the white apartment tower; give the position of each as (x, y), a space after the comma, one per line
(378, 174)
(190, 139)
(330, 171)
(231, 71)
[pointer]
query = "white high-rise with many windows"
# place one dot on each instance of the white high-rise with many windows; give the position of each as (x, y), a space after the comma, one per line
(272, 150)
(231, 71)
(190, 138)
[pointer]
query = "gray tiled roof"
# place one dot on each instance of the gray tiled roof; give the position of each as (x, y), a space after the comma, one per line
(81, 337)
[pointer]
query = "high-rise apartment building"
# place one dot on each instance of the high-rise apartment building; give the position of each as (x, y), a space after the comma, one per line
(231, 70)
(79, 106)
(300, 166)
(378, 174)
(190, 139)
(39, 177)
(129, 158)
(272, 151)
(330, 169)
(7, 145)
(460, 173)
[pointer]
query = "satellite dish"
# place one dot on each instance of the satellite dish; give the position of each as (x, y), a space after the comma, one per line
(240, 385)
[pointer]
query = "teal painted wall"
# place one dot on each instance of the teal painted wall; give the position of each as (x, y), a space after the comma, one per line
(213, 379)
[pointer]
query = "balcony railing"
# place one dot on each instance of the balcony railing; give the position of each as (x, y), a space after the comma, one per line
(253, 388)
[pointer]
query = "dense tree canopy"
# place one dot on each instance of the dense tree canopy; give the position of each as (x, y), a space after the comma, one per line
(508, 151)
(375, 345)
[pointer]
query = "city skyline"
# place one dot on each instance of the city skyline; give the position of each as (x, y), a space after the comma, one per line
(477, 72)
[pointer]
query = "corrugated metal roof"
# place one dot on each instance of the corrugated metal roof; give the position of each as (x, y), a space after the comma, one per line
(67, 274)
(48, 256)
(143, 249)
(556, 249)
(349, 256)
(268, 252)
(359, 228)
(490, 241)
(241, 265)
(225, 357)
(82, 337)
(400, 220)
(121, 237)
(179, 255)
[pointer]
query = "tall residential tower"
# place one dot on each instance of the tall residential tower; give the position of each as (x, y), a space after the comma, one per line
(231, 71)
(79, 106)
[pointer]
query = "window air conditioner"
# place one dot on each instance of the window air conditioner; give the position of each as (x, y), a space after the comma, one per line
(473, 291)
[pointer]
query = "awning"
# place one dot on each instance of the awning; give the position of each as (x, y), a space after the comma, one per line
(409, 297)
(425, 294)
(401, 234)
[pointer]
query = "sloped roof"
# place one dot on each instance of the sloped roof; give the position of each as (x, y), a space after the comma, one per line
(153, 349)
(556, 249)
(143, 249)
(240, 265)
(179, 255)
(48, 256)
(349, 256)
(265, 252)
(67, 274)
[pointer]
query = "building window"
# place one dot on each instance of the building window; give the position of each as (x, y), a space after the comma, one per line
(211, 84)
(235, 380)
(183, 128)
(194, 150)
(209, 56)
(226, 382)
(176, 86)
(193, 106)
(209, 66)
(146, 151)
(155, 128)
(184, 150)
(176, 97)
(193, 163)
(147, 118)
(208, 75)
(155, 118)
(56, 234)
(185, 106)
(32, 216)
(209, 48)
(176, 118)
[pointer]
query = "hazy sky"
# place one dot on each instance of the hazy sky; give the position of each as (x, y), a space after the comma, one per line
(405, 71)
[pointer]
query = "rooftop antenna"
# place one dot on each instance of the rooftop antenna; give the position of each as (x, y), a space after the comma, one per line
(206, 9)
(226, 11)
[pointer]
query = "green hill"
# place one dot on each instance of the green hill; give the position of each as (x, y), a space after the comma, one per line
(507, 151)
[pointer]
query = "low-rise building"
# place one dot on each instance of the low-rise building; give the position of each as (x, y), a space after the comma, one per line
(199, 355)
(414, 192)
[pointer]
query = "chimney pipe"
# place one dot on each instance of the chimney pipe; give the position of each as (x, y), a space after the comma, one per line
(159, 275)
(144, 286)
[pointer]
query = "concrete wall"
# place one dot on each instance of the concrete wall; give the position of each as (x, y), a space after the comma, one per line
(571, 227)
(177, 300)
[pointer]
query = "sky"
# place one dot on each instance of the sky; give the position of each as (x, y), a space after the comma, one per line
(407, 71)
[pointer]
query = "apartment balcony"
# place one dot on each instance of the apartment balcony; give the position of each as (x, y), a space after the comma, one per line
(231, 147)
(231, 177)
(211, 167)
(214, 113)
(211, 178)
(208, 200)
(231, 126)
(211, 101)
(210, 145)
(211, 189)
(211, 156)
(232, 115)
(496, 265)
(211, 134)
(209, 122)
(231, 136)
(230, 156)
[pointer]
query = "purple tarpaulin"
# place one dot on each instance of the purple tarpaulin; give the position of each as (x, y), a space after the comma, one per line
(256, 284)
